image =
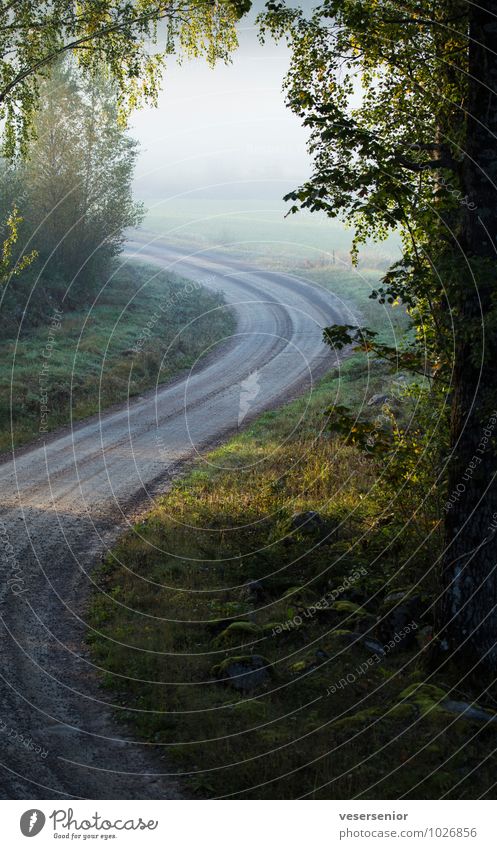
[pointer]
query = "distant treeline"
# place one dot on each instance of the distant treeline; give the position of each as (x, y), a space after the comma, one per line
(73, 193)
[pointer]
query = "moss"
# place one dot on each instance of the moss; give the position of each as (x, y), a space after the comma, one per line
(237, 632)
(273, 628)
(427, 697)
(302, 666)
(351, 610)
(403, 711)
(345, 607)
(428, 692)
(358, 719)
(251, 709)
(245, 659)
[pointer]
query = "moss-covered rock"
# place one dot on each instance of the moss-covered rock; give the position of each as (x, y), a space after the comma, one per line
(426, 697)
(244, 673)
(237, 633)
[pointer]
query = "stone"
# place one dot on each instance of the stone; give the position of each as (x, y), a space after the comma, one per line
(246, 673)
(238, 633)
(378, 399)
(374, 646)
(467, 711)
(396, 618)
(308, 522)
(254, 592)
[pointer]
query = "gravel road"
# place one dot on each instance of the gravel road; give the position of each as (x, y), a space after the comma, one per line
(65, 500)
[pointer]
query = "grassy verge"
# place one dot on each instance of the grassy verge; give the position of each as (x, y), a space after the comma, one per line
(274, 659)
(145, 328)
(352, 288)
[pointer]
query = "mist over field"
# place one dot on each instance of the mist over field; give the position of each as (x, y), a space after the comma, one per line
(222, 132)
(221, 150)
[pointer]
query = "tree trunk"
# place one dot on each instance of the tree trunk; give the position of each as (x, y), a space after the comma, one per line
(467, 614)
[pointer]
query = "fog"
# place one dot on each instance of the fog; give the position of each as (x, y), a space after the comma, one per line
(222, 149)
(222, 132)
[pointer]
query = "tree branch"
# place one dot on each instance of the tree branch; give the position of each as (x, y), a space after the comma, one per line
(157, 14)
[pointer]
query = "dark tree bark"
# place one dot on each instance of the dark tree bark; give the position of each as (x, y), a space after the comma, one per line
(467, 614)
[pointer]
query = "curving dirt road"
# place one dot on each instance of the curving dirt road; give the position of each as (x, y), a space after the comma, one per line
(65, 501)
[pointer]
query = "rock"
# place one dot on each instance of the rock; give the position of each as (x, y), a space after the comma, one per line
(313, 660)
(374, 646)
(394, 597)
(353, 615)
(238, 633)
(467, 711)
(254, 592)
(429, 698)
(308, 522)
(245, 673)
(311, 523)
(346, 607)
(398, 621)
(321, 654)
(346, 638)
(365, 625)
(426, 697)
(303, 666)
(416, 604)
(377, 400)
(215, 626)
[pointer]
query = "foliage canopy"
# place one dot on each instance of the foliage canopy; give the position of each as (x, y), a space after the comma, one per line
(130, 38)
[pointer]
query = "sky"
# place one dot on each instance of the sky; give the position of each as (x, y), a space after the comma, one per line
(222, 132)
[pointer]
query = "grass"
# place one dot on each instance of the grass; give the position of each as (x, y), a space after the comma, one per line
(258, 228)
(71, 368)
(217, 573)
(352, 288)
(219, 580)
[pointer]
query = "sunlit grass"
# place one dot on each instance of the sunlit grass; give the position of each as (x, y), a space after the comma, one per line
(173, 605)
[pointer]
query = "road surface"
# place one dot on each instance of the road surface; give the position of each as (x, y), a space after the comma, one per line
(66, 500)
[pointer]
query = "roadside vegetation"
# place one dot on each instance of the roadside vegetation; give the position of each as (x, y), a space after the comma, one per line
(71, 315)
(72, 193)
(268, 624)
(92, 358)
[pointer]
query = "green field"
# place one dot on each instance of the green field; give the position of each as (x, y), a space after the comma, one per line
(259, 227)
(83, 361)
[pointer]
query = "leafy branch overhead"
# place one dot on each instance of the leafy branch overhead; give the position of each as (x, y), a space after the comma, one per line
(382, 91)
(338, 336)
(131, 39)
(8, 266)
